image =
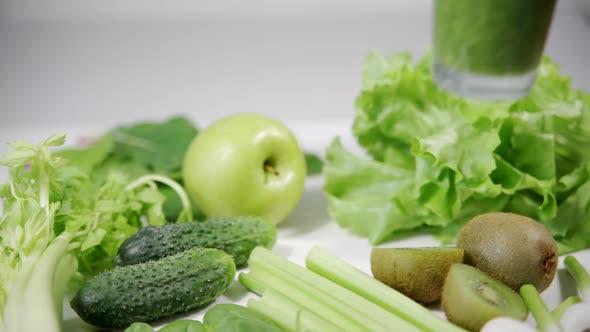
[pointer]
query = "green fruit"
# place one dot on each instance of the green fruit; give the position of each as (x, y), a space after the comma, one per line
(245, 164)
(236, 236)
(512, 248)
(470, 298)
(419, 273)
(155, 289)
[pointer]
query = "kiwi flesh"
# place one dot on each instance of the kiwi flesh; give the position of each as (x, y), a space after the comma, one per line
(470, 298)
(418, 273)
(512, 248)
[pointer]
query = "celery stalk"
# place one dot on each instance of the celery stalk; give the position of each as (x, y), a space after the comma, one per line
(68, 265)
(580, 275)
(264, 258)
(15, 300)
(340, 272)
(537, 307)
(290, 315)
(40, 297)
(281, 318)
(307, 321)
(332, 310)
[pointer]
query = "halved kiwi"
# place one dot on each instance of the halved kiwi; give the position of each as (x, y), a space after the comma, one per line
(470, 298)
(512, 248)
(419, 273)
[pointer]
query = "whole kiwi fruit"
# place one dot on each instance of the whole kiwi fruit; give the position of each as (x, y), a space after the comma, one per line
(511, 248)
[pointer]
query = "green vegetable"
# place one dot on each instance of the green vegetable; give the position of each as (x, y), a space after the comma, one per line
(580, 275)
(173, 205)
(140, 149)
(89, 158)
(557, 313)
(334, 269)
(184, 325)
(55, 223)
(314, 164)
(330, 300)
(546, 322)
(139, 327)
(229, 317)
(155, 289)
(289, 315)
(572, 313)
(437, 160)
(181, 325)
(236, 236)
(158, 146)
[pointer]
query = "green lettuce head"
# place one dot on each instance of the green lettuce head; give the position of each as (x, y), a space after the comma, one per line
(435, 159)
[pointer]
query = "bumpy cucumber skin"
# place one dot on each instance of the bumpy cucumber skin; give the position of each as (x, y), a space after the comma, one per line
(155, 289)
(236, 236)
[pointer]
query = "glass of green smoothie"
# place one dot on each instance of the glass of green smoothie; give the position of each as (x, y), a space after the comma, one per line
(489, 49)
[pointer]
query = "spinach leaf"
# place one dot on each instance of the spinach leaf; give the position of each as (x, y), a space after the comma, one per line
(139, 327)
(88, 158)
(172, 205)
(136, 150)
(184, 325)
(229, 317)
(158, 146)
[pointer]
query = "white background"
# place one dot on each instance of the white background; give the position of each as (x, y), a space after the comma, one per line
(70, 63)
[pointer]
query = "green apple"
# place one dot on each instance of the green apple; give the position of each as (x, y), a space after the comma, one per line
(245, 164)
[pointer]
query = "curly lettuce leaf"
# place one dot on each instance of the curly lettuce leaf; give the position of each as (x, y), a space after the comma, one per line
(460, 157)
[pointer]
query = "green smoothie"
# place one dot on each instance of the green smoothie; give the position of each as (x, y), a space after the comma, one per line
(491, 37)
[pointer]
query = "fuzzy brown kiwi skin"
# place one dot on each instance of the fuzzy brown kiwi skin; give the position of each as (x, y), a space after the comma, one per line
(418, 273)
(512, 248)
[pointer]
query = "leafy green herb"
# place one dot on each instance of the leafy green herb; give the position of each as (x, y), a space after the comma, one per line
(138, 150)
(436, 159)
(56, 229)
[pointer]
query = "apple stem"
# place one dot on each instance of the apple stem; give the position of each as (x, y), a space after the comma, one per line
(270, 169)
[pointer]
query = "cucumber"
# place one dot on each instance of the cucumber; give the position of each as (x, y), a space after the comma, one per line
(236, 236)
(155, 289)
